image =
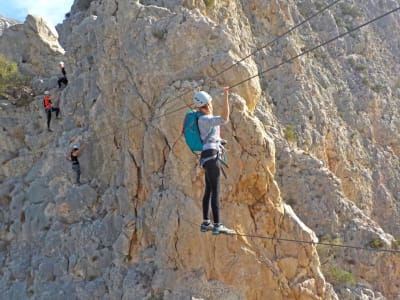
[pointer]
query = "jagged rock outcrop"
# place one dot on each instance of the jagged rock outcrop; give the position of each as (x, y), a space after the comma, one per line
(5, 23)
(299, 134)
(33, 45)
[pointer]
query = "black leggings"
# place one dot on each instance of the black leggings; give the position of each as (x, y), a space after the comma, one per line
(77, 169)
(57, 110)
(62, 80)
(48, 113)
(212, 179)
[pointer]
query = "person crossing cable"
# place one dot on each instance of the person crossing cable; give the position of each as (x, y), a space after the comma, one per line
(209, 127)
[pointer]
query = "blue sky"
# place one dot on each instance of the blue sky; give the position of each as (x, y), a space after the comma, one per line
(51, 10)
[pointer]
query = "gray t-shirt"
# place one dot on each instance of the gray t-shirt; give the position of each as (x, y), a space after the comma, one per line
(209, 131)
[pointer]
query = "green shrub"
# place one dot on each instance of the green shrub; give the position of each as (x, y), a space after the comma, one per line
(290, 134)
(10, 77)
(376, 243)
(319, 55)
(340, 276)
(159, 296)
(377, 88)
(209, 3)
(327, 254)
(8, 73)
(396, 244)
(366, 82)
(319, 4)
(350, 10)
(356, 65)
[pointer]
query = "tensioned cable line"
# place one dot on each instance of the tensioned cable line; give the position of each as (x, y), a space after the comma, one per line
(318, 46)
(278, 37)
(195, 225)
(303, 241)
(263, 47)
(251, 54)
(297, 56)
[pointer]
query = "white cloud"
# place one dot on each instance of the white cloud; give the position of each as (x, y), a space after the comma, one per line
(52, 11)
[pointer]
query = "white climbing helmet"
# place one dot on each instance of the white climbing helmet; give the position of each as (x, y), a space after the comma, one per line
(61, 63)
(46, 92)
(75, 146)
(201, 98)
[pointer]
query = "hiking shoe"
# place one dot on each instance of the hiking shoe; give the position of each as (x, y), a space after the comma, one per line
(220, 228)
(206, 226)
(49, 130)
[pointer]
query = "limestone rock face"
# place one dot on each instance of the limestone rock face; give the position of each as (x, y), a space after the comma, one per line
(33, 45)
(306, 153)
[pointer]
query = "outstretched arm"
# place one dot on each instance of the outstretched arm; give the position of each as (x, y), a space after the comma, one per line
(81, 149)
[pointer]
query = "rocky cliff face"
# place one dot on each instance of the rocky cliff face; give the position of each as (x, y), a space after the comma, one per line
(312, 155)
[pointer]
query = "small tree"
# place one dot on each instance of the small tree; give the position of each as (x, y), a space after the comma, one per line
(8, 73)
(290, 134)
